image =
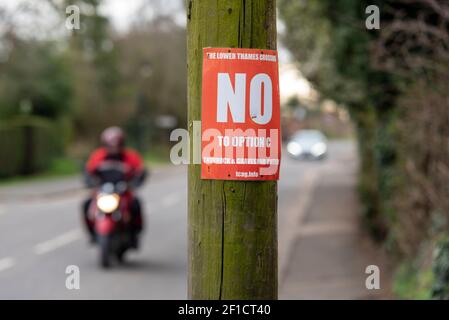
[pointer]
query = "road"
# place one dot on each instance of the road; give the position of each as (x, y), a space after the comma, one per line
(41, 234)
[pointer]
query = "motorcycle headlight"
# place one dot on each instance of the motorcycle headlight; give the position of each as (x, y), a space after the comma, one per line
(108, 203)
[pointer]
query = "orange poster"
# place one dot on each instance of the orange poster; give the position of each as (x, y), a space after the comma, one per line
(240, 125)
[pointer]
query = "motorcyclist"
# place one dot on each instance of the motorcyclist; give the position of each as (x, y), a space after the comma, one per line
(114, 152)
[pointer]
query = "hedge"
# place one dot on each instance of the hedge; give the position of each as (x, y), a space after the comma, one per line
(27, 145)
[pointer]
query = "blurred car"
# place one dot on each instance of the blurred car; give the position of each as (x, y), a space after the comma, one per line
(307, 144)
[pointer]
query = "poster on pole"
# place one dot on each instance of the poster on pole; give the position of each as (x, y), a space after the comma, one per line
(240, 114)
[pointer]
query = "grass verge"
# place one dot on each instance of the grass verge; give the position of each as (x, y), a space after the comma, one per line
(65, 167)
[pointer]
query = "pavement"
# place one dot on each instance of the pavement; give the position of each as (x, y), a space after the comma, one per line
(322, 250)
(330, 250)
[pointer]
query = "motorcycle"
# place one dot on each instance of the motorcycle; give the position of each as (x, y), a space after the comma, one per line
(110, 213)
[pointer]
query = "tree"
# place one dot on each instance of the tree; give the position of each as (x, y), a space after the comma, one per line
(34, 81)
(333, 46)
(232, 224)
(152, 65)
(94, 71)
(395, 83)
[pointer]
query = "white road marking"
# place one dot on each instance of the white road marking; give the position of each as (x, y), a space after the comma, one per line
(170, 200)
(58, 242)
(2, 210)
(6, 263)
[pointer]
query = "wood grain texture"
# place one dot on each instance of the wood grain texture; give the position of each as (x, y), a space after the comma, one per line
(232, 224)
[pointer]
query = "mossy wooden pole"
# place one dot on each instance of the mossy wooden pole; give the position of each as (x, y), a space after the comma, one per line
(232, 224)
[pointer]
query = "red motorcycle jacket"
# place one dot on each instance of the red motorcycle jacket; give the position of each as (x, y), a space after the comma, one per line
(130, 159)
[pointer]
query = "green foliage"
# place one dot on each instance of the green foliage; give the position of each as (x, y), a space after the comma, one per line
(386, 154)
(440, 289)
(154, 78)
(57, 168)
(93, 78)
(62, 166)
(293, 103)
(28, 145)
(368, 177)
(93, 60)
(331, 42)
(411, 282)
(34, 81)
(401, 120)
(158, 155)
(94, 45)
(11, 157)
(35, 95)
(422, 278)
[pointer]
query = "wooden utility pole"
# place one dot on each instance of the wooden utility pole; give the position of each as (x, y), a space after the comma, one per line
(232, 224)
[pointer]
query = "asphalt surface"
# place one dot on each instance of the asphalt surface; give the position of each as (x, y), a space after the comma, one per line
(41, 235)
